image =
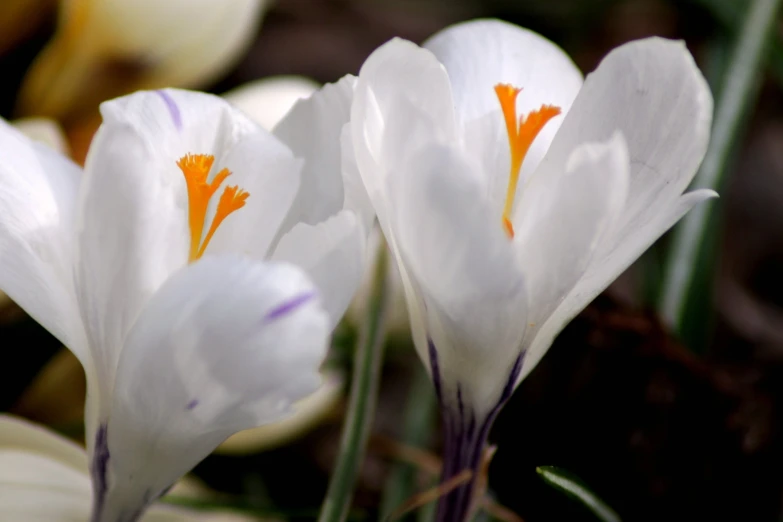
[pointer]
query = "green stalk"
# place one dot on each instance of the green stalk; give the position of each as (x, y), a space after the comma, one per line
(421, 410)
(727, 12)
(737, 95)
(363, 398)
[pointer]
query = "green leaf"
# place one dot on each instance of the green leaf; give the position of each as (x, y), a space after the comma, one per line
(683, 296)
(728, 13)
(572, 486)
(363, 398)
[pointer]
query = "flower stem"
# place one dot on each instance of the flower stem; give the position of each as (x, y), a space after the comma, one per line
(737, 94)
(363, 398)
(421, 410)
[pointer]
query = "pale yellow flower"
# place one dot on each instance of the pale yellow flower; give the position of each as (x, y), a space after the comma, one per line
(105, 48)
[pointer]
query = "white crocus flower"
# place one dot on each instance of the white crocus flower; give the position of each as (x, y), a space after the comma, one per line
(268, 100)
(45, 478)
(44, 130)
(512, 193)
(105, 48)
(149, 267)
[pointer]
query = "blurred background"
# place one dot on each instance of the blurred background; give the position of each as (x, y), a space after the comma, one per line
(660, 425)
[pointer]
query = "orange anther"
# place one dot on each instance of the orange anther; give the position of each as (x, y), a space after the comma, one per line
(195, 168)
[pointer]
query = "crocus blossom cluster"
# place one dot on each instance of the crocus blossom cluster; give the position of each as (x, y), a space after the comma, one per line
(198, 263)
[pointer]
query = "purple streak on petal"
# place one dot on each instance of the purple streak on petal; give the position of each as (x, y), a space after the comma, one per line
(464, 447)
(435, 368)
(176, 116)
(288, 306)
(192, 404)
(98, 469)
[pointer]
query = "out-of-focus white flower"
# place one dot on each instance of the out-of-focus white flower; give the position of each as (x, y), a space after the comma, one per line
(194, 314)
(44, 478)
(511, 194)
(268, 100)
(105, 48)
(44, 130)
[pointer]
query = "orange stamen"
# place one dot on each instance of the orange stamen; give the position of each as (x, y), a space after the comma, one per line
(232, 199)
(195, 168)
(520, 138)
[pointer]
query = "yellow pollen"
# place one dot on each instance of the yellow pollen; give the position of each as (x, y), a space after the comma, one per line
(195, 168)
(520, 137)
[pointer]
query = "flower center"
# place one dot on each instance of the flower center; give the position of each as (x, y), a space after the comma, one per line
(520, 137)
(196, 168)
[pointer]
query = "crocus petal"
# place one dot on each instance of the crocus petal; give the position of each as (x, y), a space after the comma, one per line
(266, 169)
(312, 130)
(562, 217)
(482, 53)
(268, 100)
(402, 97)
(603, 271)
(653, 92)
(42, 130)
(133, 227)
(308, 413)
(465, 268)
(38, 190)
(332, 253)
(226, 344)
(355, 197)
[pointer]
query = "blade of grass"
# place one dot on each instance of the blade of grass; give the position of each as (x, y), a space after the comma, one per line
(737, 94)
(427, 513)
(421, 410)
(727, 13)
(362, 400)
(576, 489)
